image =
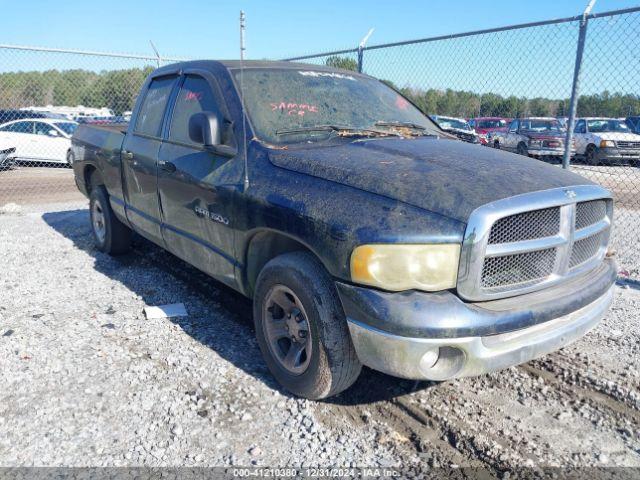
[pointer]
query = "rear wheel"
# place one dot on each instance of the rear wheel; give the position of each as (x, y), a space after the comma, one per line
(110, 234)
(301, 327)
(70, 158)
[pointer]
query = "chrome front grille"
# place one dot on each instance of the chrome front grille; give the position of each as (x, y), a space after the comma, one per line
(627, 144)
(526, 226)
(524, 243)
(518, 268)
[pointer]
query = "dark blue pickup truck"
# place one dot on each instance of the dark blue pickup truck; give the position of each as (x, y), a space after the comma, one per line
(363, 233)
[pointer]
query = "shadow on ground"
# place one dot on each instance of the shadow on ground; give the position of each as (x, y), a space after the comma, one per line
(371, 386)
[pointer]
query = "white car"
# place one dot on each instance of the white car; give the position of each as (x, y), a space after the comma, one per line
(39, 139)
(6, 150)
(606, 140)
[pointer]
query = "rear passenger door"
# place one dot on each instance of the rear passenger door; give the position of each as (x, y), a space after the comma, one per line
(196, 185)
(140, 154)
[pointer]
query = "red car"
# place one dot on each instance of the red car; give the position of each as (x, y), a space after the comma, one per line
(487, 126)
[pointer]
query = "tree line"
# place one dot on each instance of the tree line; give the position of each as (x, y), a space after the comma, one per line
(114, 89)
(465, 104)
(118, 89)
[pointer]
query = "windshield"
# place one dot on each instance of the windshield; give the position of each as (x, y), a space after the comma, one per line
(492, 123)
(446, 122)
(281, 100)
(541, 125)
(67, 127)
(607, 125)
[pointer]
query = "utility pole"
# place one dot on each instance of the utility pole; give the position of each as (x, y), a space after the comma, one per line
(575, 89)
(242, 47)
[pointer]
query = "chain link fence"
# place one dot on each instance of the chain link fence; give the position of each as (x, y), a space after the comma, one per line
(484, 80)
(44, 94)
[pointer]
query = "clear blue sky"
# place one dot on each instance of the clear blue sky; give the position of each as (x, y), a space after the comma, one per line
(530, 62)
(209, 29)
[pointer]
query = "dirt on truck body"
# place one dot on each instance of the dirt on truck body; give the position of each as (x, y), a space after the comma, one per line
(361, 231)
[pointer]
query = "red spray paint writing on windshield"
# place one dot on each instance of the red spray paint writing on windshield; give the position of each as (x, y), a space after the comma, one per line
(293, 108)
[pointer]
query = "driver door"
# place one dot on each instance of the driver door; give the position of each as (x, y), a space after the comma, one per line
(198, 187)
(512, 136)
(49, 146)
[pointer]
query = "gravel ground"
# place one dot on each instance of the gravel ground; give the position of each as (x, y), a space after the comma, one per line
(87, 380)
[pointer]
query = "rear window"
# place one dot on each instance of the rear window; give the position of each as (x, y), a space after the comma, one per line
(155, 102)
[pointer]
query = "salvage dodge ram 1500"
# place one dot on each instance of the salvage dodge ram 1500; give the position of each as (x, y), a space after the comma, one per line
(362, 232)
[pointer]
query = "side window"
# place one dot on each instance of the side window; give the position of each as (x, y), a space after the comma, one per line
(514, 126)
(20, 127)
(580, 127)
(149, 120)
(42, 128)
(195, 96)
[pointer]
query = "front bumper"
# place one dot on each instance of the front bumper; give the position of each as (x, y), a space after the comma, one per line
(548, 152)
(436, 336)
(610, 154)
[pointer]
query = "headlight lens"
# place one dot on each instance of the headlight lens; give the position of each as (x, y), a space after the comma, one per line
(404, 267)
(607, 143)
(535, 143)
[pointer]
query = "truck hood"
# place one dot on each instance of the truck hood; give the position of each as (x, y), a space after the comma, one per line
(448, 177)
(541, 135)
(624, 136)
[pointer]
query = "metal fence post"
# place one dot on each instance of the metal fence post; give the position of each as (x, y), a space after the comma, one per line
(360, 55)
(575, 88)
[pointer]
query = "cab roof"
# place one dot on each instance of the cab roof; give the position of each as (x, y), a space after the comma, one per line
(235, 65)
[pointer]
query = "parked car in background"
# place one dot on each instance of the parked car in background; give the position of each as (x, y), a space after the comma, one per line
(102, 120)
(485, 127)
(606, 140)
(6, 151)
(539, 137)
(634, 124)
(73, 113)
(9, 115)
(39, 139)
(458, 127)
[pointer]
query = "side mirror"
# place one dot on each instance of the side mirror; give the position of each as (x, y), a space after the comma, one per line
(205, 129)
(53, 133)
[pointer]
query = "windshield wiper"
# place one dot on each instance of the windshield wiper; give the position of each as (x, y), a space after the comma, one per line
(348, 131)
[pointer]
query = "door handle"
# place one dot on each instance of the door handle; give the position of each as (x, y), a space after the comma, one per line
(127, 154)
(167, 166)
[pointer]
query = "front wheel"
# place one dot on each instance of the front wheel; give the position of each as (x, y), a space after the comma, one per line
(522, 149)
(591, 155)
(301, 328)
(110, 234)
(70, 158)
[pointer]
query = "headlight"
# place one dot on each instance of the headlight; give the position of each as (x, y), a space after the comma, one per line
(404, 267)
(607, 143)
(535, 143)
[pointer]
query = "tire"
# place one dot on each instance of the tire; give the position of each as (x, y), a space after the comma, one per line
(590, 155)
(522, 150)
(328, 364)
(70, 158)
(110, 234)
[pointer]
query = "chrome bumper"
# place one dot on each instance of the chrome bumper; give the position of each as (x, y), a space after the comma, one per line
(548, 152)
(445, 358)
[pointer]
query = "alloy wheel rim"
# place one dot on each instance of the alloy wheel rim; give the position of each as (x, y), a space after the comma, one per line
(97, 220)
(287, 329)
